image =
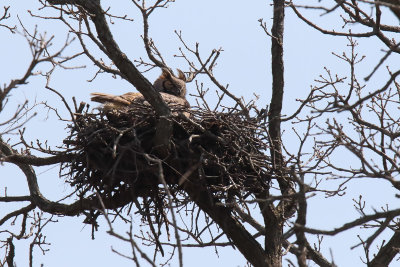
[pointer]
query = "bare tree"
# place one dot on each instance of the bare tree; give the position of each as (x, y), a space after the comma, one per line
(222, 175)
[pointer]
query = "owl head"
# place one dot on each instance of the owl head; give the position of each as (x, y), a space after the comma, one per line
(170, 84)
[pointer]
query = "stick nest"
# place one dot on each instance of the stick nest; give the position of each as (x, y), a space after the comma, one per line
(225, 152)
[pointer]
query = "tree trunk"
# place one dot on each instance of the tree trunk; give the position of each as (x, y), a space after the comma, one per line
(273, 216)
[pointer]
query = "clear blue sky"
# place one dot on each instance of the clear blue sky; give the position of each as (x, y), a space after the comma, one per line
(244, 64)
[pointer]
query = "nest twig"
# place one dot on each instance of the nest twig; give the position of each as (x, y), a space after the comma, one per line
(223, 151)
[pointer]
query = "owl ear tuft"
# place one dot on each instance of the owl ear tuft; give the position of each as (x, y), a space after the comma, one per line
(166, 73)
(181, 75)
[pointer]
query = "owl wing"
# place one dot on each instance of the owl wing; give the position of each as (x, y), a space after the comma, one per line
(175, 101)
(114, 100)
(177, 104)
(111, 102)
(171, 100)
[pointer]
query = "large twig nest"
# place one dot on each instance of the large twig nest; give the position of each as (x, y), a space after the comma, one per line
(226, 152)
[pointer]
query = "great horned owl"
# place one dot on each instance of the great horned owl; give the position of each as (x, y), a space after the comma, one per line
(170, 84)
(171, 88)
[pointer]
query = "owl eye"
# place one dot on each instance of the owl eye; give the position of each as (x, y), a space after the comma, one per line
(168, 85)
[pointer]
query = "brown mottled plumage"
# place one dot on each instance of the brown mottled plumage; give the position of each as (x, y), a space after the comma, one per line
(116, 100)
(171, 88)
(170, 84)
